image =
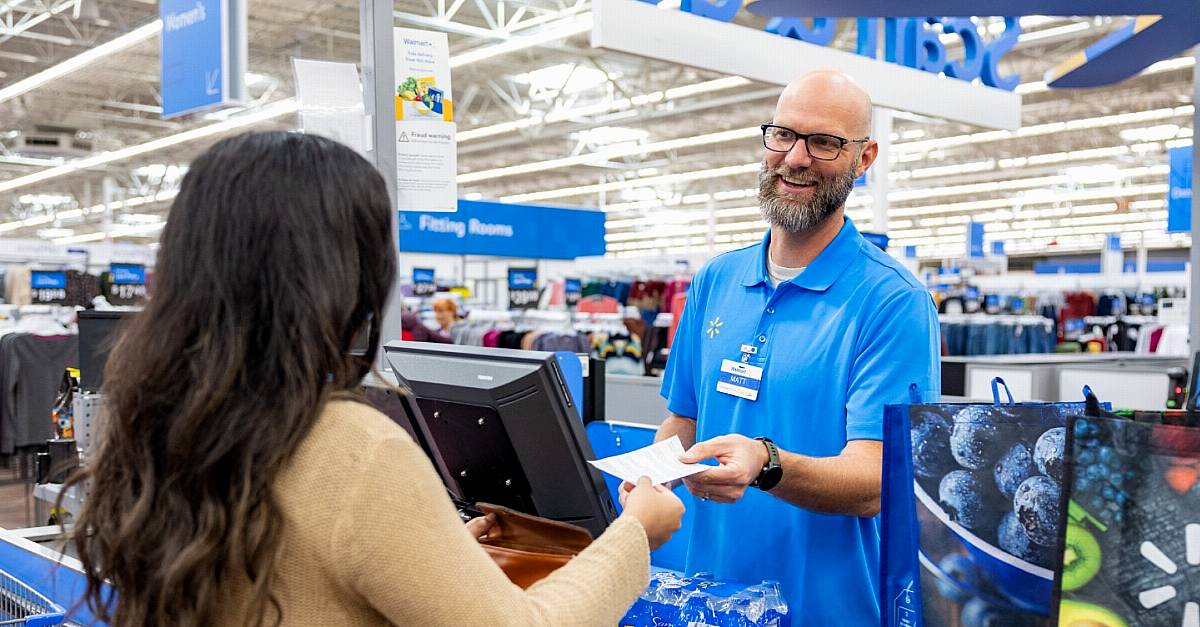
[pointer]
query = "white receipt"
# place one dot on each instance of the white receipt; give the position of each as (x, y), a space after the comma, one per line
(658, 461)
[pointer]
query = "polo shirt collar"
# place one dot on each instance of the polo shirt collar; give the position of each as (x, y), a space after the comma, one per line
(823, 271)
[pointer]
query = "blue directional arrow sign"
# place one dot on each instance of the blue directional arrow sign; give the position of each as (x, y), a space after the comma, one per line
(203, 54)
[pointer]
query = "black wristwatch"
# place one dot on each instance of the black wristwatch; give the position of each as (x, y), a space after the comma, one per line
(772, 471)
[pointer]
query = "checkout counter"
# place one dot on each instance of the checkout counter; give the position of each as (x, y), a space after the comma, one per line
(1127, 380)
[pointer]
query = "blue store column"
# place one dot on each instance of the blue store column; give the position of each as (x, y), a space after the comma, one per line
(1194, 285)
(379, 70)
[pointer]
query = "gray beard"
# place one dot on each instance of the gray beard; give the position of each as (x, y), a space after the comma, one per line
(796, 216)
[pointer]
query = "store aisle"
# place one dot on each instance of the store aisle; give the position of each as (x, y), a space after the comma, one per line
(14, 501)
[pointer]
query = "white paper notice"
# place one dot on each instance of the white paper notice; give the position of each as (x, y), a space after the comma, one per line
(426, 160)
(426, 148)
(331, 102)
(658, 461)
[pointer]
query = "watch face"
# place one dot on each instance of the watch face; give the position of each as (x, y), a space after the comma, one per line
(771, 478)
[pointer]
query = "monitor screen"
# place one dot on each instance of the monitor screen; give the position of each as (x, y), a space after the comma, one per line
(501, 428)
(97, 335)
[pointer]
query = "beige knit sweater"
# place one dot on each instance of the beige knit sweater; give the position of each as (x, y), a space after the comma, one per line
(372, 539)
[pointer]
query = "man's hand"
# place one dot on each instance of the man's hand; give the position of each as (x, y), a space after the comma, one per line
(741, 458)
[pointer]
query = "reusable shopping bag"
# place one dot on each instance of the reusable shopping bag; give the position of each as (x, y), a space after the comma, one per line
(1131, 550)
(970, 511)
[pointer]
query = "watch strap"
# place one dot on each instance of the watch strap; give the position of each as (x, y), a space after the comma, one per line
(772, 461)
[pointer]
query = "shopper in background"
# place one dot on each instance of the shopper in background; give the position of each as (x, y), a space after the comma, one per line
(239, 480)
(414, 330)
(446, 312)
(801, 339)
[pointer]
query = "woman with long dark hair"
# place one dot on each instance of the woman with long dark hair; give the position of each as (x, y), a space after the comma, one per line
(238, 481)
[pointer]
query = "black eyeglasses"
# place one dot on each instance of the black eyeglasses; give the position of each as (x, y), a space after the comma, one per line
(821, 146)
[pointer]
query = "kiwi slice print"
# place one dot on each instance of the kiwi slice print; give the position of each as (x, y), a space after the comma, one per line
(1081, 557)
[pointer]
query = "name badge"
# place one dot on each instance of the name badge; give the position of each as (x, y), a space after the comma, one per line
(740, 380)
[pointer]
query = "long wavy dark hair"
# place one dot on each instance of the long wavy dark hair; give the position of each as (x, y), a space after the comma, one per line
(277, 252)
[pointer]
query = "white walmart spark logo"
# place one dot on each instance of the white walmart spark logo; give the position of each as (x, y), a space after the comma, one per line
(714, 327)
(1157, 596)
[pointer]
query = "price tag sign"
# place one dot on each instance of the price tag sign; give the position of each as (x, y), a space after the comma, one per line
(423, 282)
(522, 288)
(127, 284)
(48, 287)
(573, 289)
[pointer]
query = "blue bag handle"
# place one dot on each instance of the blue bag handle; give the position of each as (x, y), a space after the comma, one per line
(1087, 391)
(914, 394)
(998, 383)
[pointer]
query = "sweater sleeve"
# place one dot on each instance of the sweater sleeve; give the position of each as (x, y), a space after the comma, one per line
(400, 545)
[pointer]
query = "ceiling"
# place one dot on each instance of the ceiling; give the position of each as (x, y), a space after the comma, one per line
(1084, 164)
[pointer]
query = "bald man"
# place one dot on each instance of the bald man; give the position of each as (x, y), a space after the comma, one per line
(786, 353)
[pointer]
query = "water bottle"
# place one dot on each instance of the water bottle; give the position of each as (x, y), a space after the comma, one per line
(641, 614)
(696, 612)
(775, 607)
(731, 612)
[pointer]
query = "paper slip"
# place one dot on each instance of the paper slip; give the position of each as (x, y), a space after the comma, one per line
(658, 461)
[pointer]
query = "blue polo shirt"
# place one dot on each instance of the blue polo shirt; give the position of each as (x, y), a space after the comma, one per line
(847, 336)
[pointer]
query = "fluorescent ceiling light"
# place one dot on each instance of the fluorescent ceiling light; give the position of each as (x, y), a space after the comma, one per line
(898, 150)
(729, 82)
(44, 200)
(83, 59)
(1150, 133)
(268, 112)
(140, 218)
(565, 78)
(254, 79)
(52, 233)
(674, 93)
(605, 135)
(1043, 129)
(562, 29)
(619, 185)
(1046, 33)
(75, 213)
(600, 156)
(120, 231)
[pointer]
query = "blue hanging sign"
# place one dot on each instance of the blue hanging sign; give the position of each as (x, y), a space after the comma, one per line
(910, 252)
(503, 230)
(522, 288)
(975, 240)
(1160, 29)
(573, 291)
(423, 282)
(998, 249)
(423, 275)
(877, 239)
(48, 287)
(128, 273)
(1179, 191)
(203, 54)
(40, 280)
(908, 41)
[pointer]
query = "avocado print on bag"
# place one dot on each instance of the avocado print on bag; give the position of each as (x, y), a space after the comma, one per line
(1132, 549)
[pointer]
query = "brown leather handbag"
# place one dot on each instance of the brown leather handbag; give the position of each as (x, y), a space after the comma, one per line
(528, 548)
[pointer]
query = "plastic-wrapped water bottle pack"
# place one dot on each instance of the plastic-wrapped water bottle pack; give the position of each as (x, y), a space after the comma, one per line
(701, 601)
